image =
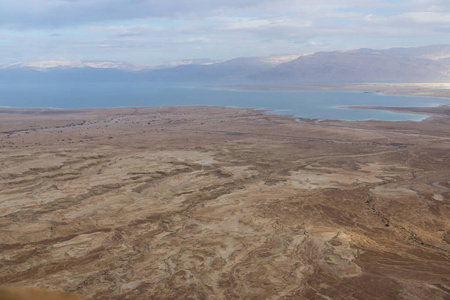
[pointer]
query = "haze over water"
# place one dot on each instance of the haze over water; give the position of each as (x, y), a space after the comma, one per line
(302, 104)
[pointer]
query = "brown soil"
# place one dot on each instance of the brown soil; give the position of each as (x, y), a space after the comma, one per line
(221, 203)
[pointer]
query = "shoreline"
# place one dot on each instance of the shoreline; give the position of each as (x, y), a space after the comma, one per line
(434, 90)
(440, 111)
(62, 111)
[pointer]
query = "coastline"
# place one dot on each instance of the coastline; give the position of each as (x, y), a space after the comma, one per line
(435, 90)
(319, 102)
(438, 90)
(440, 111)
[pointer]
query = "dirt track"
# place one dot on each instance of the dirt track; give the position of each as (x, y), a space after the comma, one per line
(220, 203)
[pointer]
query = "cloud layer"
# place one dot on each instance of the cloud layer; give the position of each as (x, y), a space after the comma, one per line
(150, 30)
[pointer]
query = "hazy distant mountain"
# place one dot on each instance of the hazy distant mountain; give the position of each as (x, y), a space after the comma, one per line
(68, 64)
(191, 70)
(429, 63)
(420, 64)
(235, 69)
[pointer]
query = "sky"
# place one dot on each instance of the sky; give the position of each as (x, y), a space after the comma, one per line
(157, 31)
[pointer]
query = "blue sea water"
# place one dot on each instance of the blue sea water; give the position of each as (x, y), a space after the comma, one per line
(302, 104)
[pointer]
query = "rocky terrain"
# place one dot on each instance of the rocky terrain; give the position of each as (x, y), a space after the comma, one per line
(223, 203)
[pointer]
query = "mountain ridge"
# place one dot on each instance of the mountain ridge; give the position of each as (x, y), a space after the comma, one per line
(417, 64)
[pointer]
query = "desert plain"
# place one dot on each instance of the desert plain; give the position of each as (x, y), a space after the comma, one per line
(224, 203)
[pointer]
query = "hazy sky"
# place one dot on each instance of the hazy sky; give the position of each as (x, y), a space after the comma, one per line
(147, 31)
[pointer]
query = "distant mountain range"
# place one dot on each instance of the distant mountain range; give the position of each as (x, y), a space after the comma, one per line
(420, 64)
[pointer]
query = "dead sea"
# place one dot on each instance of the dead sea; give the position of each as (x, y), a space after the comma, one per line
(319, 104)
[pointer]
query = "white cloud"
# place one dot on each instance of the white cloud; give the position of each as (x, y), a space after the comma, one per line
(427, 17)
(150, 30)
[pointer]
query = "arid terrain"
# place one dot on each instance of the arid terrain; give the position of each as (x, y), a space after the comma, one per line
(224, 203)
